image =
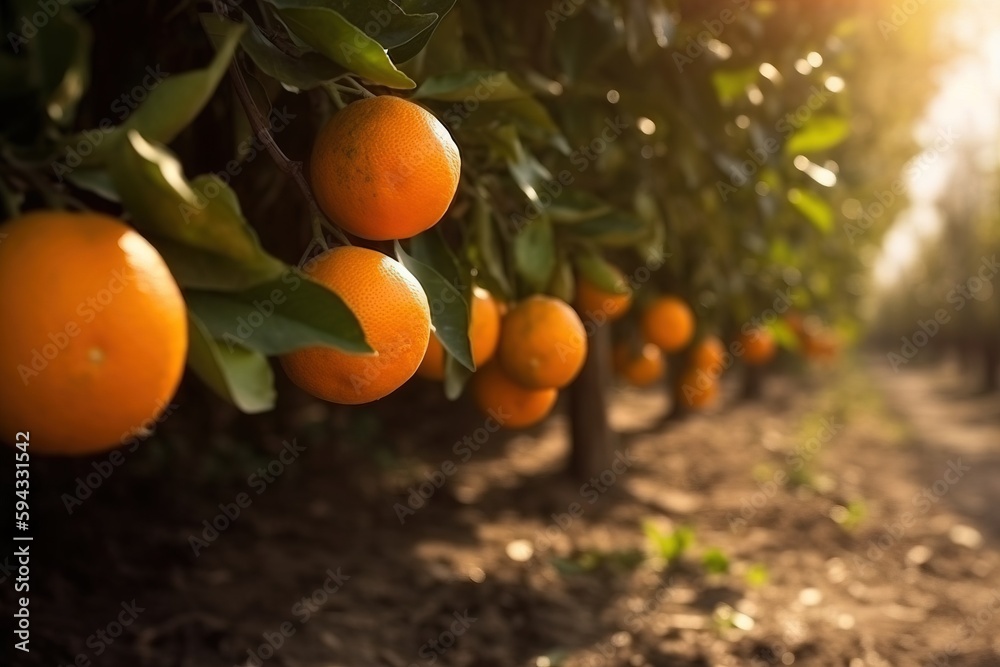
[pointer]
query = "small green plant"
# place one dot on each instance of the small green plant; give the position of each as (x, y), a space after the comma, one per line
(714, 561)
(668, 546)
(592, 559)
(757, 575)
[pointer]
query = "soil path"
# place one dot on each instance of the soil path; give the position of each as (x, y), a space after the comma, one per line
(855, 514)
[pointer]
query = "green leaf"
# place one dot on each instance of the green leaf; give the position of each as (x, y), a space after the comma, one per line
(449, 309)
(614, 229)
(96, 181)
(63, 49)
(784, 335)
(241, 376)
(384, 21)
(410, 49)
(730, 85)
(601, 273)
(170, 106)
(820, 133)
(814, 207)
(483, 86)
(529, 174)
(335, 37)
(563, 282)
(280, 316)
(197, 226)
(573, 206)
(668, 546)
(456, 376)
(430, 248)
(486, 249)
(305, 71)
(535, 253)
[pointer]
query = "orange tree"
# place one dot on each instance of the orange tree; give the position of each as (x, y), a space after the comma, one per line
(609, 154)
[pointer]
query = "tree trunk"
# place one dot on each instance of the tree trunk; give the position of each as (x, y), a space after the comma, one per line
(593, 443)
(991, 360)
(675, 368)
(753, 382)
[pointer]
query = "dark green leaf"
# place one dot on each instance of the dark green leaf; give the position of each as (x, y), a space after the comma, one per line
(401, 54)
(529, 174)
(280, 316)
(307, 70)
(614, 229)
(601, 273)
(336, 38)
(384, 21)
(456, 376)
(535, 253)
(97, 181)
(202, 217)
(563, 283)
(481, 86)
(241, 376)
(63, 49)
(486, 248)
(573, 206)
(449, 309)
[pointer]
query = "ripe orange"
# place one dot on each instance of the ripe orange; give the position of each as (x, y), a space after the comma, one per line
(484, 334)
(640, 367)
(758, 346)
(393, 312)
(543, 343)
(384, 168)
(600, 305)
(820, 345)
(508, 402)
(697, 389)
(709, 355)
(95, 332)
(668, 323)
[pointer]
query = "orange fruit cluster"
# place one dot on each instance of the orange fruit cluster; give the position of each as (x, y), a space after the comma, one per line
(543, 345)
(95, 332)
(640, 366)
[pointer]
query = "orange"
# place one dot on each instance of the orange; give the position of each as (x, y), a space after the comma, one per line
(758, 346)
(484, 334)
(709, 355)
(508, 402)
(599, 304)
(668, 323)
(384, 168)
(697, 389)
(543, 343)
(95, 332)
(392, 309)
(820, 345)
(640, 367)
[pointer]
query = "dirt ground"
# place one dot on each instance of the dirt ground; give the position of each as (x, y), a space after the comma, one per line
(849, 518)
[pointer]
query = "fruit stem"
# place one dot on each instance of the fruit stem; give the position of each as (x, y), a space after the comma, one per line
(359, 88)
